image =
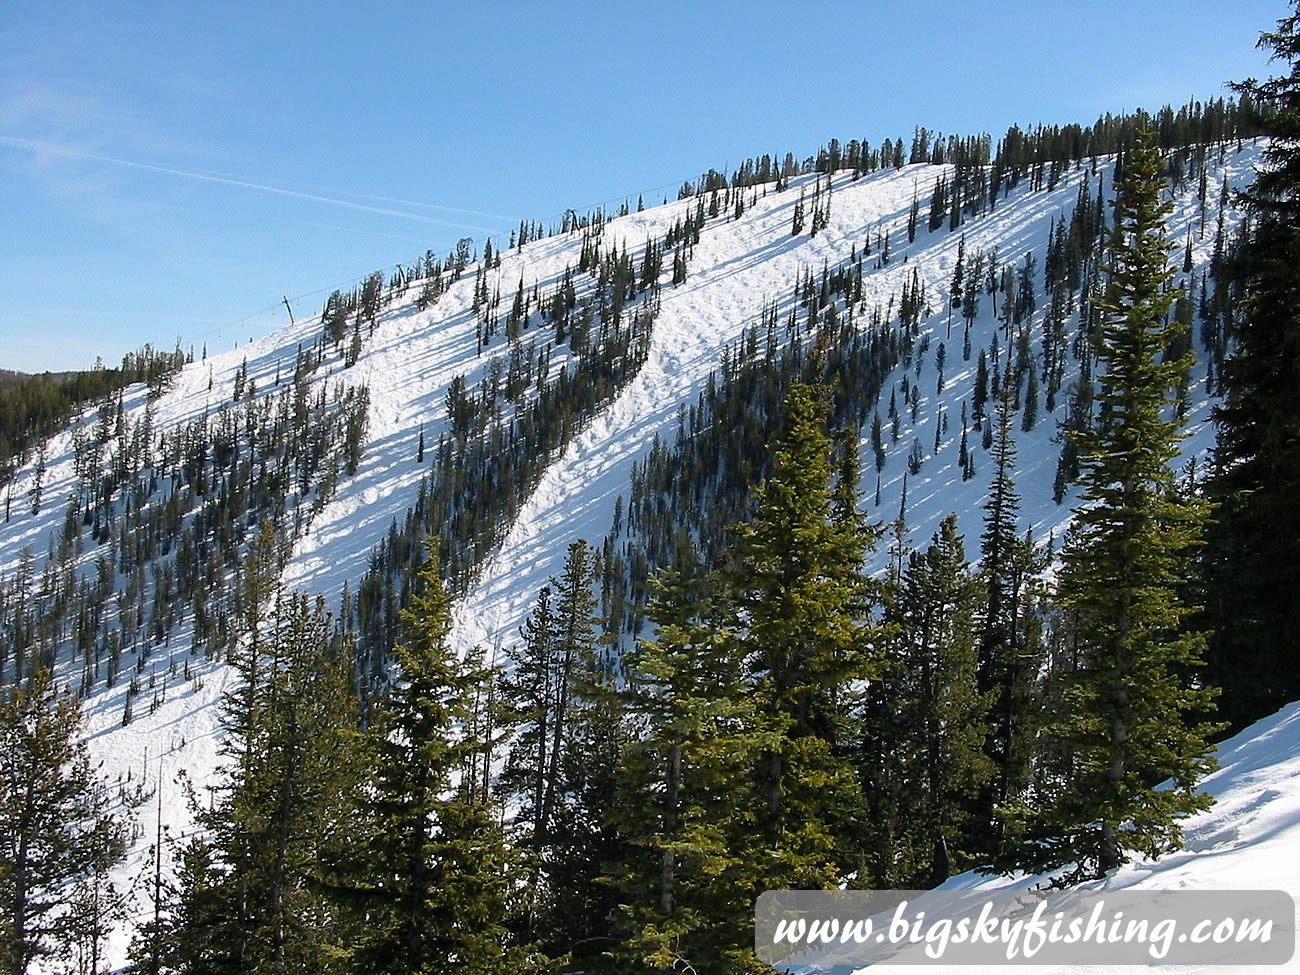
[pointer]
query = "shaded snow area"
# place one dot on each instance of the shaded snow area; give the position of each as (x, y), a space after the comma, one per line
(1248, 840)
(739, 268)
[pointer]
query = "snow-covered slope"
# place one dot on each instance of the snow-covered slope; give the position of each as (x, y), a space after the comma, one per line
(1249, 840)
(738, 268)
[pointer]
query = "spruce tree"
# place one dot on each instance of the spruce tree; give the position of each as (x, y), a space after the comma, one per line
(56, 824)
(562, 764)
(1030, 415)
(1253, 548)
(439, 883)
(686, 798)
(530, 695)
(877, 443)
(1078, 418)
(582, 905)
(1008, 636)
(940, 710)
(795, 574)
(1128, 718)
(282, 809)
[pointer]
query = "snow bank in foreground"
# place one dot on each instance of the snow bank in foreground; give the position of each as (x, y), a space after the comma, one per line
(1248, 840)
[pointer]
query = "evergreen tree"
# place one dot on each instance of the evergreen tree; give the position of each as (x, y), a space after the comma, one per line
(1126, 722)
(941, 714)
(1253, 545)
(686, 797)
(57, 825)
(563, 761)
(532, 697)
(800, 601)
(1030, 415)
(1078, 420)
(958, 278)
(938, 203)
(531, 694)
(38, 479)
(439, 882)
(587, 746)
(1008, 640)
(290, 767)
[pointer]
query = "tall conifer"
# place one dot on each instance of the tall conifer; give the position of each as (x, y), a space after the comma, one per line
(796, 577)
(439, 883)
(1128, 721)
(1253, 551)
(56, 825)
(686, 797)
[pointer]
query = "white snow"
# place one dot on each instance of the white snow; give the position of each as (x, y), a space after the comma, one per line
(738, 268)
(1248, 840)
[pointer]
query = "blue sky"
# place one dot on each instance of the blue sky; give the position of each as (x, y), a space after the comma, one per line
(173, 169)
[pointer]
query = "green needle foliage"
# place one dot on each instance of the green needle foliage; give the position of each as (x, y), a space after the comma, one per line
(686, 790)
(1253, 551)
(800, 603)
(1127, 723)
(57, 833)
(439, 883)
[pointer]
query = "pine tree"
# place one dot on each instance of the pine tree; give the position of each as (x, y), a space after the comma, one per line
(531, 698)
(192, 927)
(958, 277)
(938, 203)
(585, 749)
(283, 809)
(941, 714)
(1030, 415)
(531, 693)
(563, 760)
(877, 443)
(57, 826)
(439, 882)
(1126, 720)
(800, 598)
(38, 479)
(1078, 420)
(686, 798)
(1008, 646)
(354, 346)
(1254, 542)
(970, 299)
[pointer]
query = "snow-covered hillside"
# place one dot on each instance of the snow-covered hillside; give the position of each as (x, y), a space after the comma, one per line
(739, 267)
(1248, 841)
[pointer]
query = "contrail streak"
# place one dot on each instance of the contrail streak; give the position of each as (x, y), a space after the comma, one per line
(430, 206)
(48, 147)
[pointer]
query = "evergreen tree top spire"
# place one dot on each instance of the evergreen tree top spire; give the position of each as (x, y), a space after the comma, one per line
(1275, 105)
